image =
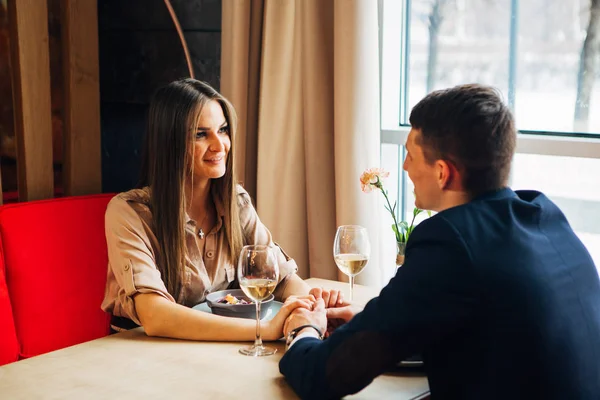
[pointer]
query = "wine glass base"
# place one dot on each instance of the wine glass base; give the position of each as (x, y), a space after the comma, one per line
(257, 351)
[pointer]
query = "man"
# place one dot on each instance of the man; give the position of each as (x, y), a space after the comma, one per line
(497, 293)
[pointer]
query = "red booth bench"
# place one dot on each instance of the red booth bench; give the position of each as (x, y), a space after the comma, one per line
(53, 262)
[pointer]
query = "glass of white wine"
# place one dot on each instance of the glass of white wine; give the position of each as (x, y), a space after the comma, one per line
(258, 274)
(351, 250)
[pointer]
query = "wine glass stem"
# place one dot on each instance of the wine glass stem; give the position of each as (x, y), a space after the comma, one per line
(351, 288)
(258, 340)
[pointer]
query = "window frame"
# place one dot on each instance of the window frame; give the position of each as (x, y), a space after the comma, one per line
(569, 144)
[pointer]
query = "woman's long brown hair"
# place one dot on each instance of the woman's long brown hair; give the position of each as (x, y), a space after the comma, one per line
(166, 164)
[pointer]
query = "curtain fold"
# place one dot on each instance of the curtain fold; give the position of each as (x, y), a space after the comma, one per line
(304, 77)
(317, 107)
(241, 54)
(357, 124)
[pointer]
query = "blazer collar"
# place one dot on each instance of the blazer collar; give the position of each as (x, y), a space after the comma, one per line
(498, 194)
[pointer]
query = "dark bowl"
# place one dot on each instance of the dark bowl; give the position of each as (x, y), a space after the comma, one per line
(237, 310)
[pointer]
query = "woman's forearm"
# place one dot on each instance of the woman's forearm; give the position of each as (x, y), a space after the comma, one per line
(293, 286)
(161, 317)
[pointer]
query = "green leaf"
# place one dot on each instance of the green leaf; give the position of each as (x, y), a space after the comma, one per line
(404, 225)
(399, 236)
(396, 233)
(429, 213)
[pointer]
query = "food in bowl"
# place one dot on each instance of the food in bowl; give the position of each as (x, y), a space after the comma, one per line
(245, 309)
(230, 299)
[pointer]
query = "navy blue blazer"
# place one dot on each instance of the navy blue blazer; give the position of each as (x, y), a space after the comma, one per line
(499, 296)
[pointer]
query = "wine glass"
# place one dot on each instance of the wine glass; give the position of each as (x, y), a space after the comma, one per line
(258, 274)
(351, 250)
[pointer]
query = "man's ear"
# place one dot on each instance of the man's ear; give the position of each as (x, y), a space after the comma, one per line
(447, 175)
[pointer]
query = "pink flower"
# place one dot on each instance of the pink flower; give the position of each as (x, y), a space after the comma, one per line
(372, 178)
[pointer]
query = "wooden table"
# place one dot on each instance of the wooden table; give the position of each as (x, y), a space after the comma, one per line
(133, 365)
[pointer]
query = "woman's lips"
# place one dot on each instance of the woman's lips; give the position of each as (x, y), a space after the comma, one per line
(215, 160)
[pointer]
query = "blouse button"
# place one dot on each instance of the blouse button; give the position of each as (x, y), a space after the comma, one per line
(210, 254)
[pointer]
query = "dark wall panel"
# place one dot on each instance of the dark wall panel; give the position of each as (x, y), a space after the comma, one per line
(122, 137)
(152, 14)
(144, 61)
(139, 52)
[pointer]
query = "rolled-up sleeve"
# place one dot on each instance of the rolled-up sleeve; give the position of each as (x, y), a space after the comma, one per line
(255, 232)
(131, 261)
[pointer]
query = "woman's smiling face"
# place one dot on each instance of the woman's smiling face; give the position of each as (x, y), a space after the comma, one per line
(211, 142)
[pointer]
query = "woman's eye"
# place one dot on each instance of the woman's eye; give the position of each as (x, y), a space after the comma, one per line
(200, 134)
(224, 129)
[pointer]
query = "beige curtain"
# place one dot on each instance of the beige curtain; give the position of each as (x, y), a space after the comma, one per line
(304, 77)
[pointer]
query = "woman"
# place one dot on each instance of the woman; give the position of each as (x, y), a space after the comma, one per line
(178, 237)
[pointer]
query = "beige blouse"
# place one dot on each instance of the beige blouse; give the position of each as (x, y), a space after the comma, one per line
(133, 247)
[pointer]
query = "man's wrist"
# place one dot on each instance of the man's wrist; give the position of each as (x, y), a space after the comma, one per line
(294, 332)
(307, 330)
(307, 334)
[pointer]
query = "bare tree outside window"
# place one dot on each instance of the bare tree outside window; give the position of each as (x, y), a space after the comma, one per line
(435, 18)
(551, 47)
(588, 68)
(546, 53)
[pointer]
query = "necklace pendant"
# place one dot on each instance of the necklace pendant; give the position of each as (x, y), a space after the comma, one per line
(201, 233)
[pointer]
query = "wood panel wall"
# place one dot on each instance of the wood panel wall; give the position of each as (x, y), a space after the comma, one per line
(28, 21)
(82, 168)
(132, 45)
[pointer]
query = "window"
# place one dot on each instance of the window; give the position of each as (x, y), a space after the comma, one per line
(535, 53)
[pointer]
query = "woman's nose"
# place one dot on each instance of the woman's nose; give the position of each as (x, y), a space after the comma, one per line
(216, 144)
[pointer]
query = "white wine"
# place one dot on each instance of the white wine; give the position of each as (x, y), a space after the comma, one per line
(258, 289)
(351, 264)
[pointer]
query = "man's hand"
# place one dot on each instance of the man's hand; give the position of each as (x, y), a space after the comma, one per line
(332, 298)
(345, 312)
(338, 316)
(303, 316)
(273, 329)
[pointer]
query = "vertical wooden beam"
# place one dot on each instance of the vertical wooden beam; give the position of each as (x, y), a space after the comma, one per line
(82, 165)
(28, 23)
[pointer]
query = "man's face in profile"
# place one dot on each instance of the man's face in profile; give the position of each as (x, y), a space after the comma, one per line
(421, 173)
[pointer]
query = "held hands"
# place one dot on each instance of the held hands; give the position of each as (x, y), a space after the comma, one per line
(338, 311)
(326, 309)
(273, 329)
(338, 316)
(302, 316)
(331, 298)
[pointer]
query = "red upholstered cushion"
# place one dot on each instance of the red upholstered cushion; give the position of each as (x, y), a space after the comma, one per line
(9, 347)
(56, 260)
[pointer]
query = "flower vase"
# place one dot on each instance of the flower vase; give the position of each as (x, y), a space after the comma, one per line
(400, 250)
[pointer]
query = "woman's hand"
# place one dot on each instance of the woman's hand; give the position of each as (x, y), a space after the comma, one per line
(331, 298)
(273, 329)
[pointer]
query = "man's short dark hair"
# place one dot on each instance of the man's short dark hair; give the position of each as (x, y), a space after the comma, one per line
(471, 127)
